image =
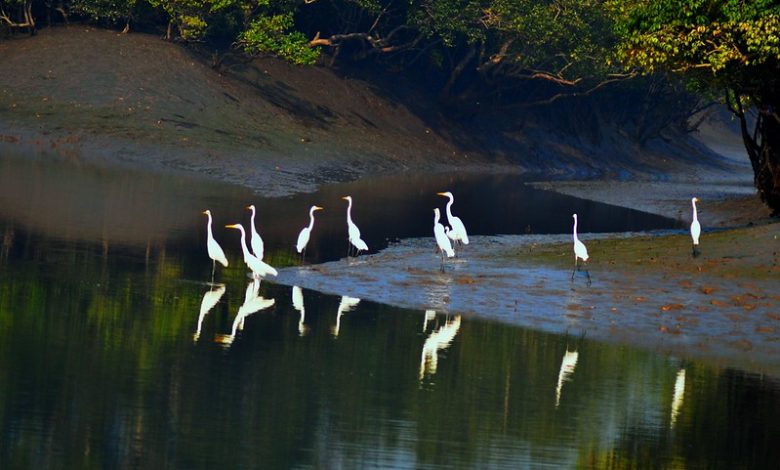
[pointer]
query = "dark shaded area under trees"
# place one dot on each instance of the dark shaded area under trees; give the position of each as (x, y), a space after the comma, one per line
(668, 59)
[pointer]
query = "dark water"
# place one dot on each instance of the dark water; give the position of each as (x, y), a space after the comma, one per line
(104, 362)
(127, 208)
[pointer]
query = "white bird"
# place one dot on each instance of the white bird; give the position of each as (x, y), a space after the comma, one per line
(303, 237)
(450, 234)
(568, 364)
(347, 303)
(210, 299)
(441, 238)
(458, 229)
(695, 228)
(354, 231)
(256, 241)
(259, 268)
(580, 252)
(215, 251)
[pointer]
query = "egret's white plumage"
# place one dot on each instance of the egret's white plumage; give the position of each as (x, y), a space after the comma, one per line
(214, 250)
(695, 225)
(303, 237)
(441, 237)
(255, 241)
(353, 230)
(458, 231)
(259, 268)
(580, 252)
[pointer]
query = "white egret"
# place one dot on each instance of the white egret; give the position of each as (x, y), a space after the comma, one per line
(458, 229)
(580, 252)
(354, 231)
(347, 303)
(259, 268)
(695, 228)
(256, 241)
(568, 364)
(450, 234)
(210, 299)
(303, 237)
(215, 251)
(441, 238)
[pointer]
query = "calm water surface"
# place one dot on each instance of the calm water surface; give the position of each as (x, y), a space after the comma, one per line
(115, 352)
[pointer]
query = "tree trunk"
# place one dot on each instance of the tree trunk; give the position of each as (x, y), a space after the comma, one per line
(767, 167)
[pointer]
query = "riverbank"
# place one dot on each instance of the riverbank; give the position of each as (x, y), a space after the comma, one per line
(276, 130)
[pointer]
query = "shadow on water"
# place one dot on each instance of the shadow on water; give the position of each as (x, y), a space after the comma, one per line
(133, 209)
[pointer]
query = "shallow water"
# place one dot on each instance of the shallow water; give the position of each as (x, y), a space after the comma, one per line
(132, 209)
(109, 356)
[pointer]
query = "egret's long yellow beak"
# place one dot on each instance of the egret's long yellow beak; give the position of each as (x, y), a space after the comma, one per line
(317, 208)
(441, 194)
(206, 212)
(232, 226)
(346, 198)
(251, 206)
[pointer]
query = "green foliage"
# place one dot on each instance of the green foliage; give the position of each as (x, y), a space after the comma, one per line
(273, 34)
(721, 43)
(110, 10)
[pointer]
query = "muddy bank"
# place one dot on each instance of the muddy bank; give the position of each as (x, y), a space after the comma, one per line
(646, 289)
(91, 95)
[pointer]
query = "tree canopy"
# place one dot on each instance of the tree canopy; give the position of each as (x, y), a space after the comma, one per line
(498, 52)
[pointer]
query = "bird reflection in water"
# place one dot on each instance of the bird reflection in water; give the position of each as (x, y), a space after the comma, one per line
(297, 301)
(568, 364)
(346, 304)
(677, 398)
(438, 340)
(429, 315)
(210, 299)
(253, 302)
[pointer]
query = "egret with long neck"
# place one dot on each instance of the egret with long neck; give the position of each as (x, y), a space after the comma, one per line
(303, 237)
(442, 241)
(695, 228)
(256, 241)
(354, 232)
(214, 250)
(580, 252)
(259, 268)
(458, 230)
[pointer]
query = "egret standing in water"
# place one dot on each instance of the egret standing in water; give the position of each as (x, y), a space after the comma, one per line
(695, 228)
(580, 252)
(354, 232)
(303, 237)
(256, 242)
(458, 230)
(215, 251)
(441, 238)
(259, 268)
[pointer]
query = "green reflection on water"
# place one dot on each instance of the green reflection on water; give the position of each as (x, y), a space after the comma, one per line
(99, 367)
